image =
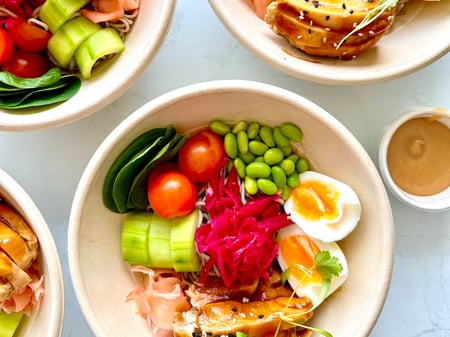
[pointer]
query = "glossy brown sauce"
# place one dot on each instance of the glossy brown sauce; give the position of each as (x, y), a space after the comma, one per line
(418, 156)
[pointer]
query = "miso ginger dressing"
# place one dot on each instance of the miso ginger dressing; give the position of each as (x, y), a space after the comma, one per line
(418, 156)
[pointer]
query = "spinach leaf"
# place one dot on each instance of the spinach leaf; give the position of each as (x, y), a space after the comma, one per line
(12, 82)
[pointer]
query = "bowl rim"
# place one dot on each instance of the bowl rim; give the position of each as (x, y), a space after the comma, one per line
(19, 199)
(426, 203)
(195, 90)
(68, 112)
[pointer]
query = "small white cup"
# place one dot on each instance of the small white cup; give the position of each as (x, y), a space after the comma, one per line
(436, 202)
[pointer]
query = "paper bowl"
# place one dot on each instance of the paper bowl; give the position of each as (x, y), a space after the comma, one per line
(407, 48)
(112, 78)
(49, 316)
(94, 231)
(436, 202)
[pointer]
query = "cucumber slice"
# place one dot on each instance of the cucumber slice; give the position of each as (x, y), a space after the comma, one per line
(9, 323)
(105, 42)
(184, 253)
(134, 240)
(66, 40)
(56, 12)
(159, 243)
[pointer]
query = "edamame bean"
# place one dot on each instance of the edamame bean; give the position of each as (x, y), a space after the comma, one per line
(240, 167)
(266, 186)
(285, 192)
(288, 166)
(240, 126)
(287, 150)
(273, 156)
(301, 165)
(250, 185)
(278, 176)
(259, 159)
(242, 141)
(219, 128)
(293, 180)
(279, 138)
(292, 132)
(258, 170)
(230, 145)
(294, 157)
(257, 148)
(266, 136)
(247, 157)
(253, 130)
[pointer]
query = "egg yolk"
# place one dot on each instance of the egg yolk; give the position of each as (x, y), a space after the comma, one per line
(299, 250)
(315, 200)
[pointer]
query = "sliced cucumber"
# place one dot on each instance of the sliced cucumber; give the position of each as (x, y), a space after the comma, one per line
(56, 12)
(9, 323)
(134, 241)
(66, 40)
(182, 243)
(159, 243)
(105, 42)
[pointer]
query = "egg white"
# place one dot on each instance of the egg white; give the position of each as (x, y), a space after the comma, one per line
(328, 230)
(312, 290)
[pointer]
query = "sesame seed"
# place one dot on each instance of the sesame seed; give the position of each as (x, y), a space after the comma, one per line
(360, 34)
(261, 316)
(310, 22)
(335, 44)
(344, 6)
(327, 29)
(299, 37)
(309, 31)
(234, 309)
(316, 3)
(327, 18)
(351, 11)
(355, 24)
(371, 32)
(324, 39)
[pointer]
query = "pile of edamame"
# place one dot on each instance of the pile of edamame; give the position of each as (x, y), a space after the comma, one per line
(263, 156)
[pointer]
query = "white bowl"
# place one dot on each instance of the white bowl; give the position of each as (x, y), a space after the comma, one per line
(437, 202)
(407, 48)
(48, 317)
(94, 231)
(108, 83)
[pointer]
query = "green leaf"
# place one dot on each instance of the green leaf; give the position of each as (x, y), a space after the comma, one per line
(10, 81)
(326, 265)
(318, 330)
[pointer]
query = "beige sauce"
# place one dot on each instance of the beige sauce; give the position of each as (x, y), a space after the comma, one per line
(418, 156)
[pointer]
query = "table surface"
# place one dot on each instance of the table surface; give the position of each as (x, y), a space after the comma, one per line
(48, 164)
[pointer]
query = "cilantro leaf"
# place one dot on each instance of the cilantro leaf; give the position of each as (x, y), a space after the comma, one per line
(326, 265)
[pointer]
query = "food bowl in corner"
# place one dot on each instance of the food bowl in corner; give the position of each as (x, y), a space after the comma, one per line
(112, 78)
(95, 232)
(48, 316)
(395, 55)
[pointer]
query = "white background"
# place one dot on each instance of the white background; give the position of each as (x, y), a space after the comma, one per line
(48, 164)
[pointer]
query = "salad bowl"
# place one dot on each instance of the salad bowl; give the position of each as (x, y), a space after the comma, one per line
(395, 55)
(95, 231)
(109, 80)
(48, 316)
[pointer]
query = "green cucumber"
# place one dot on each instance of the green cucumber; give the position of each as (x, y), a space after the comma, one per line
(134, 240)
(182, 243)
(159, 243)
(66, 40)
(56, 12)
(106, 41)
(9, 323)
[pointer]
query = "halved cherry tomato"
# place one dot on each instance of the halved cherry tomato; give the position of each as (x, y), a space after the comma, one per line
(26, 64)
(27, 36)
(171, 194)
(201, 156)
(6, 46)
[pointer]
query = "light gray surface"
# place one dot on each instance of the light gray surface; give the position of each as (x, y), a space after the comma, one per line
(48, 164)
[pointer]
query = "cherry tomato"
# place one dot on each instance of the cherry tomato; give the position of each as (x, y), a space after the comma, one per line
(27, 36)
(201, 156)
(171, 194)
(26, 64)
(6, 46)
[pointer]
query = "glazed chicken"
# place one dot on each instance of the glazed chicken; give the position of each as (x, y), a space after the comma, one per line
(322, 27)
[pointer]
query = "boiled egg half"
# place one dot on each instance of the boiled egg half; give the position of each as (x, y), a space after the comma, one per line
(323, 207)
(296, 250)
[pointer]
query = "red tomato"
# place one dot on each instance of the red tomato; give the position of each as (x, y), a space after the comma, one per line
(172, 194)
(6, 46)
(26, 64)
(201, 156)
(27, 36)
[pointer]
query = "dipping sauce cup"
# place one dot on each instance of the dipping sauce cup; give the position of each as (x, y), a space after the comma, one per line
(414, 158)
